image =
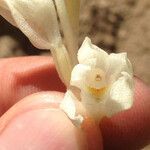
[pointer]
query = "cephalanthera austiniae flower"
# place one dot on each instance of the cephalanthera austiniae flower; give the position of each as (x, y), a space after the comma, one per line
(105, 83)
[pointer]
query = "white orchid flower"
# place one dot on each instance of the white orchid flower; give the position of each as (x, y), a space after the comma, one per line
(105, 82)
(102, 83)
(37, 19)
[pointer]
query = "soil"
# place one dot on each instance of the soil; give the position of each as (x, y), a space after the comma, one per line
(115, 26)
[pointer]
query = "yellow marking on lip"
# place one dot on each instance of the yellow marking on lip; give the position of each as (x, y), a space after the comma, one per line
(97, 93)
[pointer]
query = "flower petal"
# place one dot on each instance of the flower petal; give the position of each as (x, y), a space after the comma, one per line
(69, 107)
(78, 75)
(121, 95)
(4, 11)
(92, 55)
(40, 26)
(68, 11)
(118, 63)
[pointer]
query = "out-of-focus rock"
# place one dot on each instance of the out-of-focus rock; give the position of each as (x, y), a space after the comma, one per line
(10, 47)
(102, 19)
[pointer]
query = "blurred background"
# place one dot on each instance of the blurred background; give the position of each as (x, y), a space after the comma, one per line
(114, 25)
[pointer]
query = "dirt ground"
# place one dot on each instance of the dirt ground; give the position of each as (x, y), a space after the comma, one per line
(115, 26)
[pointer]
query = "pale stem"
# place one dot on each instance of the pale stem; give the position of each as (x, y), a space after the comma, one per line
(70, 35)
(63, 64)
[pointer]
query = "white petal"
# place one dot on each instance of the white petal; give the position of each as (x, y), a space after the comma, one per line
(78, 75)
(36, 19)
(68, 11)
(118, 63)
(4, 11)
(121, 95)
(69, 107)
(92, 55)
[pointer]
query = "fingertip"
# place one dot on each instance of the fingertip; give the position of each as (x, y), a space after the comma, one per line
(24, 76)
(37, 123)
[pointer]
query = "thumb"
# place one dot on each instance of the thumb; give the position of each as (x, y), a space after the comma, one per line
(36, 123)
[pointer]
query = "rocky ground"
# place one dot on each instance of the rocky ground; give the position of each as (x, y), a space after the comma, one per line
(115, 26)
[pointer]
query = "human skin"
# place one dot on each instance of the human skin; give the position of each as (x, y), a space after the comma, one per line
(36, 122)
